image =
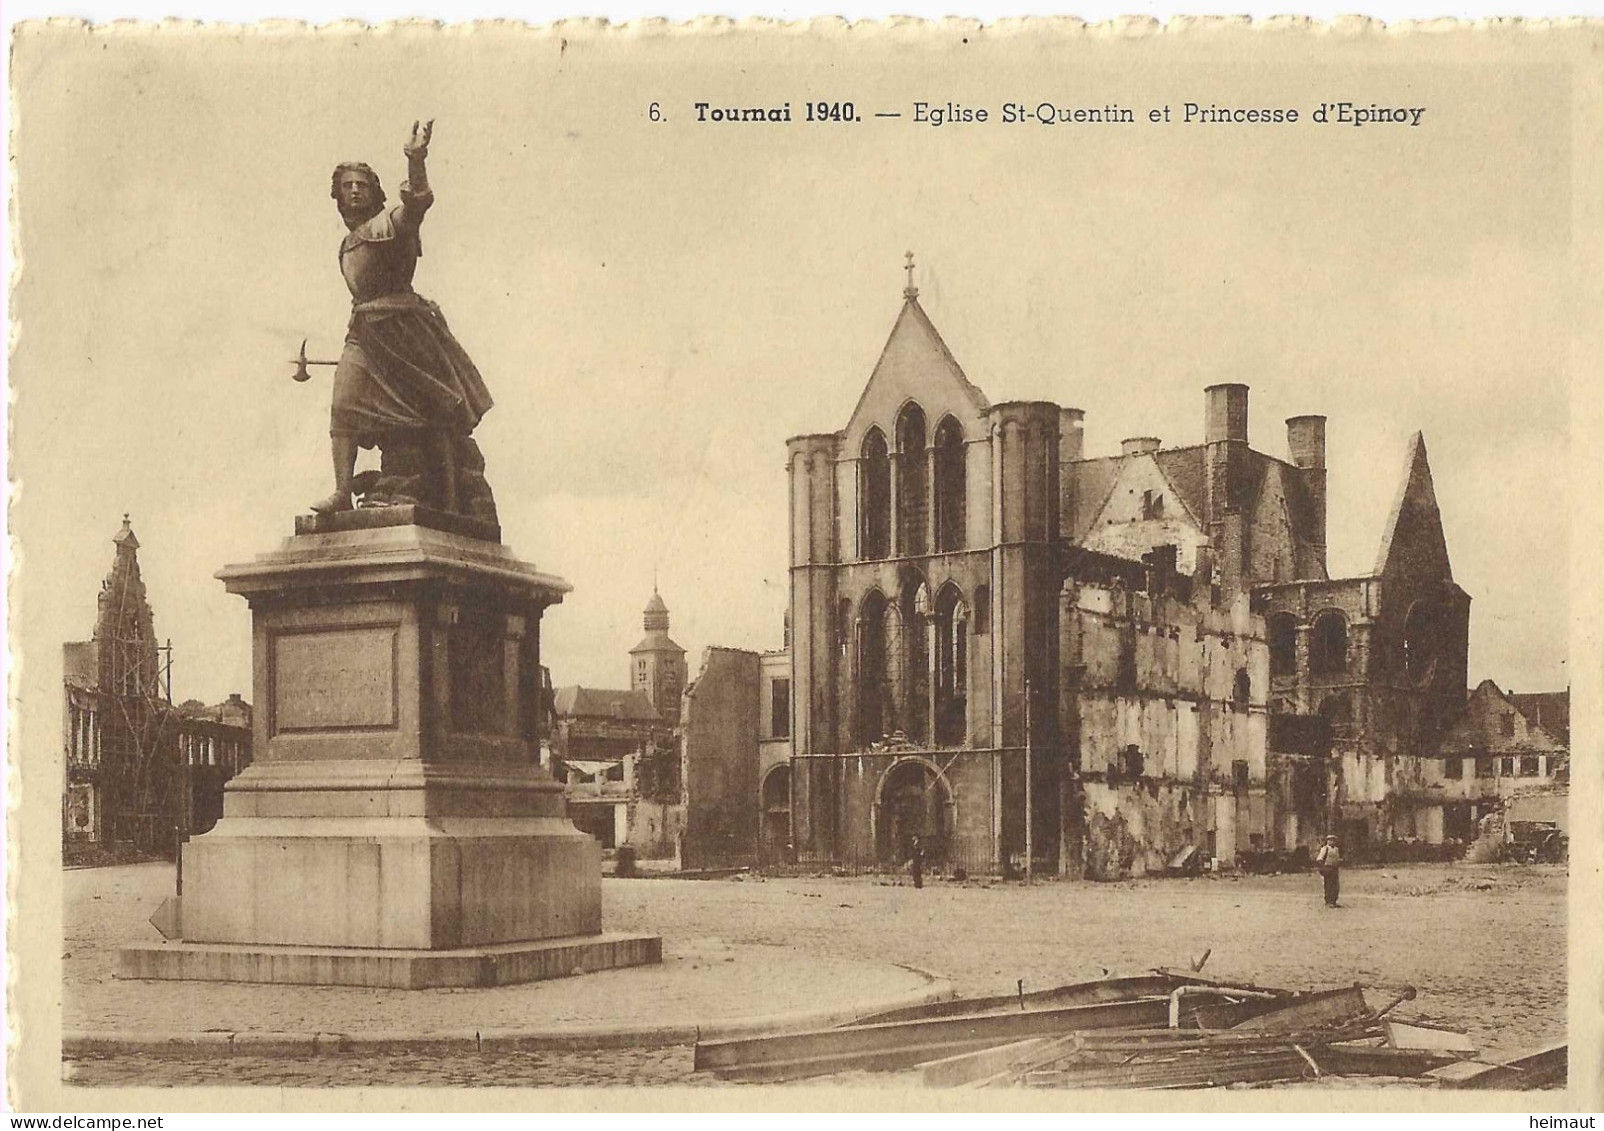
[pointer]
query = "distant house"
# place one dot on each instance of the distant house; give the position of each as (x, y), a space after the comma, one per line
(600, 739)
(214, 744)
(1492, 752)
(617, 750)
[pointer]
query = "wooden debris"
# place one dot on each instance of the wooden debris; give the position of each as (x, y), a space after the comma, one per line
(1130, 1032)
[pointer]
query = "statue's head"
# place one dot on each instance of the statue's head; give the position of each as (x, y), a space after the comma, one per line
(356, 191)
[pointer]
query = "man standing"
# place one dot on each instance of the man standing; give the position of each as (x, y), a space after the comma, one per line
(402, 374)
(1329, 859)
(916, 863)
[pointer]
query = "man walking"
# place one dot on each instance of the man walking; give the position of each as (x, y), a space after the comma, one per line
(1328, 859)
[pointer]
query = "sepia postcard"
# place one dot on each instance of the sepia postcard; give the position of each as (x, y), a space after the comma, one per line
(1010, 565)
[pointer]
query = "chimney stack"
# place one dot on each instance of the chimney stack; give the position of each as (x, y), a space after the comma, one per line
(1306, 444)
(1071, 435)
(1225, 413)
(1306, 440)
(1139, 445)
(1225, 432)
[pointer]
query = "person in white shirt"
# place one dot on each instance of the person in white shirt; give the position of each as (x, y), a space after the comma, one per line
(1329, 859)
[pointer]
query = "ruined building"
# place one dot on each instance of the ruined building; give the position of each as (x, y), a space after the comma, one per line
(1027, 656)
(616, 752)
(140, 774)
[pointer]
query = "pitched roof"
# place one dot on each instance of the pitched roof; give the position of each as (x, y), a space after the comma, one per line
(605, 703)
(914, 344)
(1414, 536)
(656, 642)
(1479, 729)
(1550, 710)
(1184, 468)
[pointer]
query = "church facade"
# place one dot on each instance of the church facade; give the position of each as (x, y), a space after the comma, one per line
(1095, 666)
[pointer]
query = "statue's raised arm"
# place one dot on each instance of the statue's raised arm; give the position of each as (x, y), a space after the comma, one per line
(415, 193)
(402, 384)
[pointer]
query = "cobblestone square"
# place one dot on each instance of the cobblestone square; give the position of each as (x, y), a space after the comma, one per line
(1484, 945)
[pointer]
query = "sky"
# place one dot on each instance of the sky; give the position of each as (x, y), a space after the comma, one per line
(657, 306)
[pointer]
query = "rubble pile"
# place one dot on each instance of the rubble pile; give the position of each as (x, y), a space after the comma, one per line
(1163, 1029)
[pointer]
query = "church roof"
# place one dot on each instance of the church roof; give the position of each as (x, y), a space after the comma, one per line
(656, 605)
(656, 642)
(915, 356)
(1186, 469)
(1414, 537)
(605, 703)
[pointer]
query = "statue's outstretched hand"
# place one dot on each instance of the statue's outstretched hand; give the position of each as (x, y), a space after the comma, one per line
(417, 145)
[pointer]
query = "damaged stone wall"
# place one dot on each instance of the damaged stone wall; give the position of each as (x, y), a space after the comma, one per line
(1168, 726)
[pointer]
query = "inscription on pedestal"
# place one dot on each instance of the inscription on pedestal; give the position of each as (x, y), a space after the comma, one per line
(335, 679)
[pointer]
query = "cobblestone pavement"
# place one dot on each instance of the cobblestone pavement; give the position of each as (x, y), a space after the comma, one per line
(1484, 944)
(612, 1069)
(701, 980)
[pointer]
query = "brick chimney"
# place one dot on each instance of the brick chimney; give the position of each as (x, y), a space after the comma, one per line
(1225, 434)
(1306, 444)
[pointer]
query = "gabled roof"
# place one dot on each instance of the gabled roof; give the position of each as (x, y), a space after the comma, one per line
(1550, 710)
(1184, 468)
(1478, 729)
(604, 703)
(1414, 537)
(80, 664)
(915, 340)
(1128, 465)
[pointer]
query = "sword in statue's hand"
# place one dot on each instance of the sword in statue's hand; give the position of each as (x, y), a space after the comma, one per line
(301, 373)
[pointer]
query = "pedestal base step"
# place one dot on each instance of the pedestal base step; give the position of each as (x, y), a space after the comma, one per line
(502, 965)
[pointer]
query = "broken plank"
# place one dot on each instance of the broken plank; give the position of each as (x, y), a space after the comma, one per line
(1379, 1060)
(1407, 1035)
(1195, 1070)
(1311, 1011)
(1119, 988)
(886, 1043)
(968, 1067)
(1539, 1068)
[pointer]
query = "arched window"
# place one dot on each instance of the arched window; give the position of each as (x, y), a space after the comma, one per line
(872, 676)
(1242, 688)
(916, 612)
(951, 513)
(952, 667)
(1283, 630)
(874, 498)
(913, 492)
(1328, 644)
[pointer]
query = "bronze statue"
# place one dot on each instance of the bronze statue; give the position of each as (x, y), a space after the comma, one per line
(402, 384)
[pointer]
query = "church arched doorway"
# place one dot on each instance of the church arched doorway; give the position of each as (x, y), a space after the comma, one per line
(913, 800)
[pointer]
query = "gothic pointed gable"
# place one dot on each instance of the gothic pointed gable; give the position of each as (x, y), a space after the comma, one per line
(1413, 543)
(914, 365)
(1142, 509)
(1273, 540)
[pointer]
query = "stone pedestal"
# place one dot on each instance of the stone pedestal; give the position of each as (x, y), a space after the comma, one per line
(394, 827)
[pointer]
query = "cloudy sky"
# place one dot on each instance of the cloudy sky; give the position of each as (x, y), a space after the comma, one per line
(656, 306)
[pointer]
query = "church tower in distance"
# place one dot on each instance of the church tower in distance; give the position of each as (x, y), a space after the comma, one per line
(657, 664)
